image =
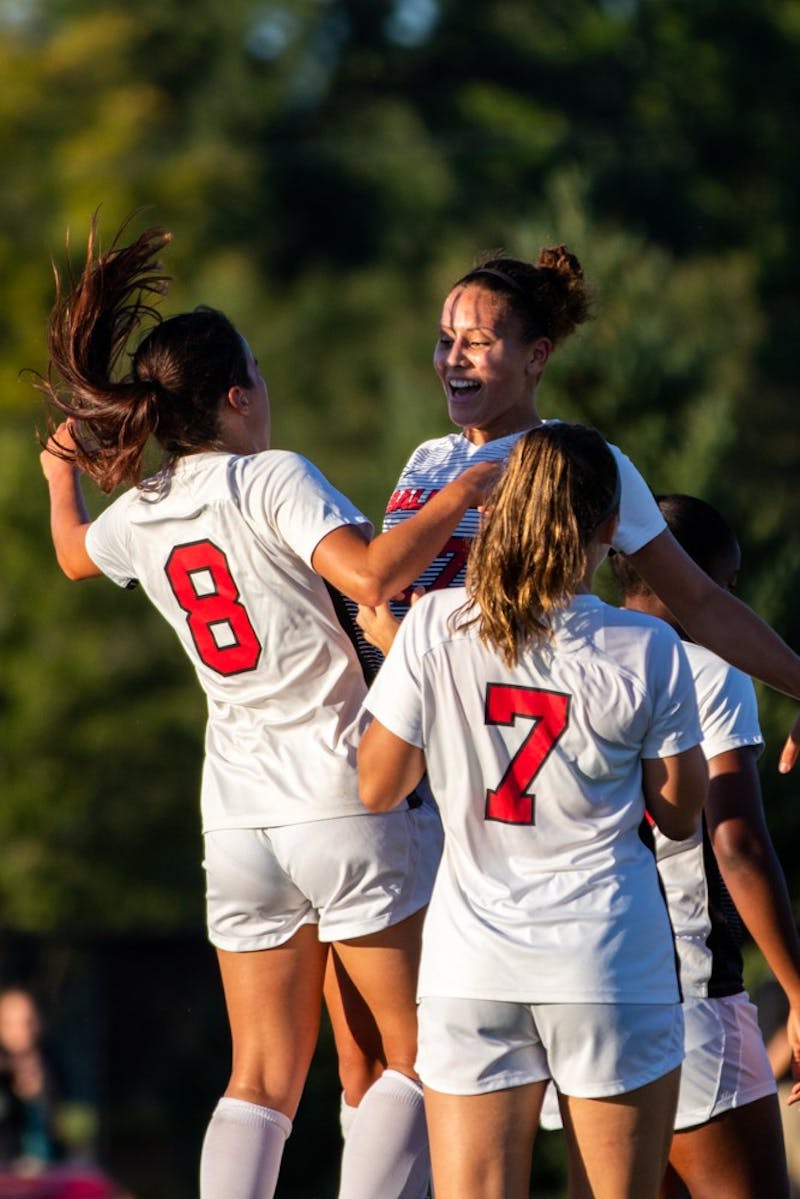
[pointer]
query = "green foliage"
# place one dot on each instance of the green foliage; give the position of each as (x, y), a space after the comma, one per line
(327, 170)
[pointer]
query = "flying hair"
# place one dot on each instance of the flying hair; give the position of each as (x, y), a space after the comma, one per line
(123, 374)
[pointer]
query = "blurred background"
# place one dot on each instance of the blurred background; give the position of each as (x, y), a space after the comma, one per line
(328, 168)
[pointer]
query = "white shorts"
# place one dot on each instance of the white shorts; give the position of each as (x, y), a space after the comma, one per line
(726, 1064)
(590, 1050)
(351, 875)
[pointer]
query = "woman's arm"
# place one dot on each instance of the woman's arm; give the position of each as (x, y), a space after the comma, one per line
(370, 572)
(69, 519)
(675, 790)
(388, 768)
(715, 618)
(752, 872)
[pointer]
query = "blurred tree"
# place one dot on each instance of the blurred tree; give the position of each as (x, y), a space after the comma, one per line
(328, 168)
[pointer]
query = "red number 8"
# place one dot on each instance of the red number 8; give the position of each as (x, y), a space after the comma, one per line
(214, 609)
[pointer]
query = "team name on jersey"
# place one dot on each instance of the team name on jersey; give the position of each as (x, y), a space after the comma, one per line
(410, 499)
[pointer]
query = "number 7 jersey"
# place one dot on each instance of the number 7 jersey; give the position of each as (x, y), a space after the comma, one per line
(223, 551)
(546, 891)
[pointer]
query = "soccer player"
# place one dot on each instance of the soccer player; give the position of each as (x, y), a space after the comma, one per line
(235, 544)
(500, 323)
(728, 1137)
(545, 719)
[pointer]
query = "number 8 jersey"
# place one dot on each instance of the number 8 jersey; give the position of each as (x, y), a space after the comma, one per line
(546, 891)
(223, 549)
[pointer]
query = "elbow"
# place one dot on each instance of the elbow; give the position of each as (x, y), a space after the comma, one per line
(374, 797)
(68, 569)
(370, 591)
(678, 826)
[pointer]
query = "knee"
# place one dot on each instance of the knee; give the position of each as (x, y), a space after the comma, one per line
(357, 1072)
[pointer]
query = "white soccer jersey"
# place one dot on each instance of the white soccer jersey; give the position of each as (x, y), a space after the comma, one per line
(707, 927)
(546, 891)
(437, 462)
(225, 556)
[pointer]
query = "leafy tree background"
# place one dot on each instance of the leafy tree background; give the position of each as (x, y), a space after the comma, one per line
(328, 167)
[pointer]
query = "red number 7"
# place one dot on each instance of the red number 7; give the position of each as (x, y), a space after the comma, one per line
(512, 802)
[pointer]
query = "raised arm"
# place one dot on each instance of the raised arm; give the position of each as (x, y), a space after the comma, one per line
(715, 618)
(752, 872)
(675, 790)
(370, 572)
(388, 768)
(722, 623)
(69, 519)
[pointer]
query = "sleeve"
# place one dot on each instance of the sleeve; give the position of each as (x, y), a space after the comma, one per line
(395, 697)
(107, 544)
(728, 707)
(640, 518)
(675, 722)
(300, 504)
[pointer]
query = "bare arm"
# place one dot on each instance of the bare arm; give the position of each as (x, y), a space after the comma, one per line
(69, 519)
(752, 872)
(388, 768)
(715, 618)
(370, 572)
(675, 790)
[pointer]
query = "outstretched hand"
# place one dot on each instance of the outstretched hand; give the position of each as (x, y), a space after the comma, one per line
(791, 749)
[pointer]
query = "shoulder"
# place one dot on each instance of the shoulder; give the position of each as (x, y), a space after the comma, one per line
(726, 696)
(432, 620)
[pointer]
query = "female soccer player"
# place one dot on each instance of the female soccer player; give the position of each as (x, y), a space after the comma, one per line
(728, 1137)
(499, 325)
(545, 719)
(234, 544)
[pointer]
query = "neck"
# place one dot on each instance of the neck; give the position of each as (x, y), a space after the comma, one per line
(481, 435)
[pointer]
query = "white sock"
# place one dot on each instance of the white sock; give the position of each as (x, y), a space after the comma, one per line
(242, 1151)
(386, 1151)
(347, 1114)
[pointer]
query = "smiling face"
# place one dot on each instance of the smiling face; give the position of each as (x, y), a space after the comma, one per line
(488, 371)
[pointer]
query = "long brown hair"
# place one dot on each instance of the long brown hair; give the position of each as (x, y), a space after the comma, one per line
(529, 557)
(176, 376)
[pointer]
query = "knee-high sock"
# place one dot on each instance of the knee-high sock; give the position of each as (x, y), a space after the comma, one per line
(386, 1152)
(242, 1151)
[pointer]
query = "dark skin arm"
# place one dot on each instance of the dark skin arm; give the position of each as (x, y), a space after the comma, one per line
(753, 875)
(715, 618)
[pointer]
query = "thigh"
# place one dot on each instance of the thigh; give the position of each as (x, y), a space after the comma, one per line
(617, 1147)
(738, 1154)
(274, 999)
(359, 1048)
(481, 1145)
(378, 982)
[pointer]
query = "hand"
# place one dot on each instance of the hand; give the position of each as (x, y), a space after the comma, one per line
(482, 478)
(791, 750)
(53, 461)
(379, 626)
